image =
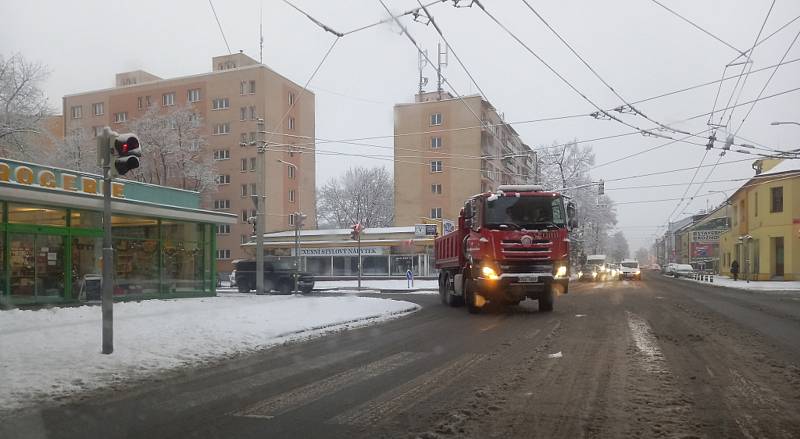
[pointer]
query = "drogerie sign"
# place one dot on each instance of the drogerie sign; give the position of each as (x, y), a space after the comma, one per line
(46, 178)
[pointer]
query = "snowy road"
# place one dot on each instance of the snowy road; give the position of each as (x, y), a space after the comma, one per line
(657, 358)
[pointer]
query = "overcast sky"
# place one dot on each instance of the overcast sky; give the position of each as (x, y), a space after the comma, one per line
(638, 47)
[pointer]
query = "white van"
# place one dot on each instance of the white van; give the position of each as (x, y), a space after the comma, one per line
(629, 269)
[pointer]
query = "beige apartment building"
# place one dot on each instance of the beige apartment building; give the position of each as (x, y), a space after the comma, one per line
(229, 100)
(449, 149)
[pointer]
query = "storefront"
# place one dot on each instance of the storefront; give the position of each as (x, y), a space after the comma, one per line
(51, 238)
(385, 252)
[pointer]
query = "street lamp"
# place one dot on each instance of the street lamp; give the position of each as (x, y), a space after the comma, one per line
(785, 123)
(261, 201)
(298, 222)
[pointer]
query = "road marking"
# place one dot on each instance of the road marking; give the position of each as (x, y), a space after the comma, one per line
(304, 395)
(580, 315)
(710, 372)
(401, 398)
(646, 343)
(490, 326)
(195, 398)
(556, 355)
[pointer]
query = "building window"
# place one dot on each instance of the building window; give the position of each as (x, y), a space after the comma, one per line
(291, 98)
(253, 189)
(168, 99)
(243, 239)
(252, 88)
(222, 128)
(436, 166)
(291, 220)
(242, 86)
(97, 131)
(120, 117)
(140, 103)
(244, 215)
(252, 136)
(436, 119)
(222, 154)
(223, 254)
(253, 115)
(220, 104)
(777, 199)
(252, 164)
(223, 179)
(291, 195)
(755, 202)
(436, 189)
(291, 123)
(193, 95)
(436, 142)
(244, 165)
(243, 139)
(77, 112)
(223, 229)
(735, 214)
(290, 170)
(242, 113)
(244, 190)
(148, 102)
(222, 204)
(436, 212)
(99, 109)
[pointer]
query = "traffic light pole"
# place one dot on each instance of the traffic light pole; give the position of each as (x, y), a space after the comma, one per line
(108, 246)
(297, 221)
(261, 190)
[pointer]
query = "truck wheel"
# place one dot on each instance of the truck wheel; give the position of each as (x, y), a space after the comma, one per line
(469, 296)
(243, 287)
(546, 300)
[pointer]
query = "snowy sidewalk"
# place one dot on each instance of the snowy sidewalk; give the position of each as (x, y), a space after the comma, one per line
(379, 284)
(52, 353)
(761, 285)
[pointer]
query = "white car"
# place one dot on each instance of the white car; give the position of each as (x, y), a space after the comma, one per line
(683, 270)
(669, 269)
(629, 269)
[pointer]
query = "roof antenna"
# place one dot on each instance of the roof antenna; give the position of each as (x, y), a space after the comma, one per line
(261, 33)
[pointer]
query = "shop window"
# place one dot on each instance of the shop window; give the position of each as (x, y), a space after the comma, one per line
(134, 227)
(86, 219)
(136, 262)
(183, 256)
(37, 265)
(36, 215)
(87, 260)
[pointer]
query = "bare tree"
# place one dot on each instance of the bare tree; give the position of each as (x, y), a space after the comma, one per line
(643, 256)
(76, 151)
(618, 246)
(23, 105)
(363, 195)
(174, 149)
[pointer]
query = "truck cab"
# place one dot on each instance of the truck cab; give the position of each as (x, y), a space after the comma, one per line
(510, 245)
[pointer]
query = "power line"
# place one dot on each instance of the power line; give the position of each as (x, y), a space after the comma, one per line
(597, 75)
(671, 171)
(651, 186)
(600, 112)
(220, 28)
(697, 170)
(747, 64)
(324, 27)
(645, 151)
(767, 83)
(698, 27)
(768, 37)
(413, 11)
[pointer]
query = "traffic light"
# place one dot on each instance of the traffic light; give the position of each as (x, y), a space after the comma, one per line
(128, 150)
(299, 219)
(601, 187)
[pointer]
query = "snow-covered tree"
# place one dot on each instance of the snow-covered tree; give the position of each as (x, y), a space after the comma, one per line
(361, 194)
(23, 105)
(643, 256)
(566, 169)
(76, 151)
(174, 149)
(618, 248)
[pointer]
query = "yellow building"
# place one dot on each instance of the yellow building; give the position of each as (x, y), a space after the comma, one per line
(765, 224)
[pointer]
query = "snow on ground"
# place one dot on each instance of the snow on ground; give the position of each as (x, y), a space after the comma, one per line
(51, 353)
(379, 284)
(762, 285)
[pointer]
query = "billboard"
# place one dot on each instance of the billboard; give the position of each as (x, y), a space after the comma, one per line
(706, 235)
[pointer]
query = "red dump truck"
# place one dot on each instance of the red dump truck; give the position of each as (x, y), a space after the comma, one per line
(510, 245)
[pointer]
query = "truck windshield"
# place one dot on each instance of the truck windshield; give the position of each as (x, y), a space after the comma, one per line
(630, 264)
(525, 212)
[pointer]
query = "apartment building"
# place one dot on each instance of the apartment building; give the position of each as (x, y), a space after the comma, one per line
(228, 101)
(447, 149)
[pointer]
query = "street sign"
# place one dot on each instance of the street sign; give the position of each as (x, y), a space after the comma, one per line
(422, 230)
(448, 226)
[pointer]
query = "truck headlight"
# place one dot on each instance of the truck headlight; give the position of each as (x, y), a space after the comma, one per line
(488, 272)
(638, 272)
(562, 271)
(594, 274)
(580, 274)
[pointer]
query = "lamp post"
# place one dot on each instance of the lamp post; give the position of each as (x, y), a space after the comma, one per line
(298, 220)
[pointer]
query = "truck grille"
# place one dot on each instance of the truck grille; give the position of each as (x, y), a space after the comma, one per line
(526, 268)
(537, 249)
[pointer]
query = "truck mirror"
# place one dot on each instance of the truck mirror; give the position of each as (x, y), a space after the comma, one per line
(468, 213)
(571, 209)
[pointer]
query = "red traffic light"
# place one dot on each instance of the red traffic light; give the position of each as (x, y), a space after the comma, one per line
(127, 144)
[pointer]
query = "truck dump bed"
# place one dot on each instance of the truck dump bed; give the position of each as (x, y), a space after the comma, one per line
(447, 251)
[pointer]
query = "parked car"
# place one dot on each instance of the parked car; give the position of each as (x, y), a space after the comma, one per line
(655, 267)
(278, 275)
(669, 269)
(682, 270)
(587, 273)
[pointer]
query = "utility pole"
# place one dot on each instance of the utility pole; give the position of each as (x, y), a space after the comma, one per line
(261, 202)
(358, 215)
(299, 222)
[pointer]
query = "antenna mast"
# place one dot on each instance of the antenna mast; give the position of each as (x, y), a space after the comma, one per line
(422, 62)
(261, 33)
(441, 64)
